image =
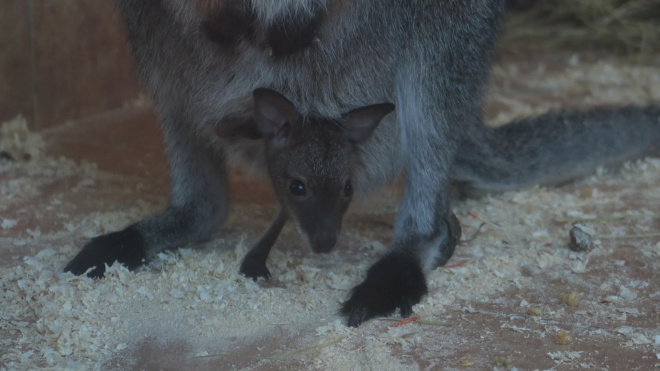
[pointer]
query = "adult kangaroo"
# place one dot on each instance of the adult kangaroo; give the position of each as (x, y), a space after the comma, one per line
(201, 60)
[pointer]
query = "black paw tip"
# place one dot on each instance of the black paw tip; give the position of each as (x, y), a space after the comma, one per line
(394, 282)
(356, 316)
(254, 270)
(126, 247)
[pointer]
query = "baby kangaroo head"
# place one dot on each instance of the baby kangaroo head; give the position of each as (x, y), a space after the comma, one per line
(311, 161)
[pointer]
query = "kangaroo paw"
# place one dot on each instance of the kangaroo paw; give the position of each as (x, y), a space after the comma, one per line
(394, 282)
(254, 268)
(125, 247)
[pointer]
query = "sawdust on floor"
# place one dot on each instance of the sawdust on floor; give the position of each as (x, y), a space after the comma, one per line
(194, 304)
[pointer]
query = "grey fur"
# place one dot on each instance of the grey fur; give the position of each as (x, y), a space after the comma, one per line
(311, 163)
(429, 57)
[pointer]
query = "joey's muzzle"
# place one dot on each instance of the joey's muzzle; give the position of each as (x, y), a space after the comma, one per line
(324, 240)
(321, 230)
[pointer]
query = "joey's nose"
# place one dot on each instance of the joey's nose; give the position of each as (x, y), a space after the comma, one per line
(324, 241)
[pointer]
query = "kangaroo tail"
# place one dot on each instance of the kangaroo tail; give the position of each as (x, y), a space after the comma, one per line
(554, 148)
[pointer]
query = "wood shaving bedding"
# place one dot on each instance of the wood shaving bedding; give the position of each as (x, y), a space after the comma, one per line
(50, 319)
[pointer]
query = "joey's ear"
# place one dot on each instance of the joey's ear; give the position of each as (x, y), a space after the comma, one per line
(237, 127)
(361, 122)
(274, 114)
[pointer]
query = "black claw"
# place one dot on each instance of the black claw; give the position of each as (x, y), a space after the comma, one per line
(394, 282)
(127, 247)
(406, 309)
(453, 238)
(356, 317)
(455, 233)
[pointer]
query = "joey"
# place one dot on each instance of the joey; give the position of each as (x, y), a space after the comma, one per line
(311, 162)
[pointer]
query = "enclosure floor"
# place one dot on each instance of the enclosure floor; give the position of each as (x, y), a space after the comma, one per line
(614, 325)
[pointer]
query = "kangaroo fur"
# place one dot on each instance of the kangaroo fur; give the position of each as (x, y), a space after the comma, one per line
(311, 162)
(201, 59)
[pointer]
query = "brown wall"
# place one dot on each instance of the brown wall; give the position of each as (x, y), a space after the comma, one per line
(62, 60)
(14, 59)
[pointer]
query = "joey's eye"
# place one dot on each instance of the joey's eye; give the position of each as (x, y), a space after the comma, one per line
(348, 189)
(297, 188)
